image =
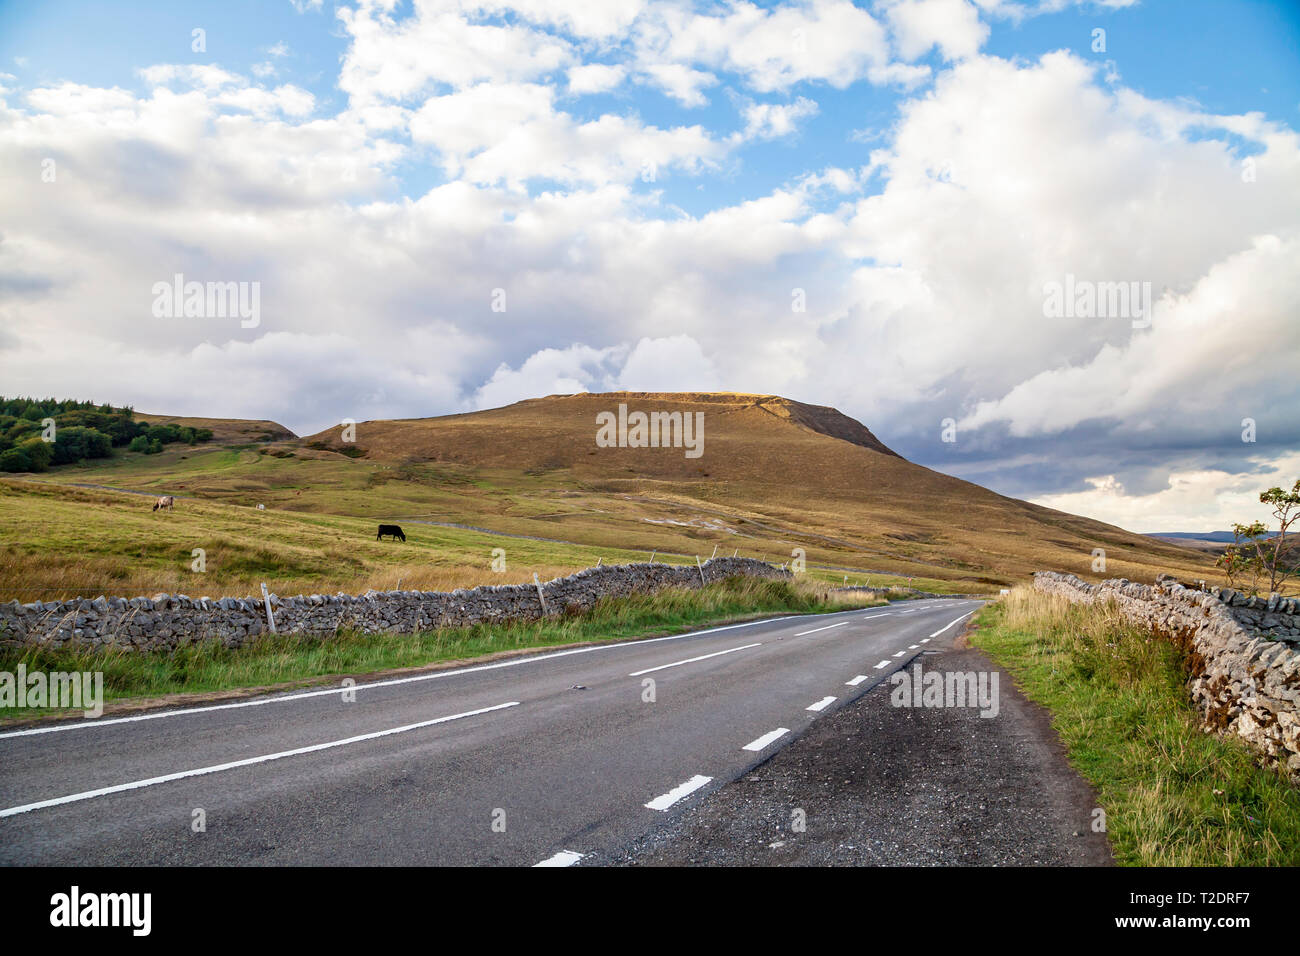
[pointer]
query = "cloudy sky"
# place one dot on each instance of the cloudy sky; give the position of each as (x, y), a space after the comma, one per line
(454, 205)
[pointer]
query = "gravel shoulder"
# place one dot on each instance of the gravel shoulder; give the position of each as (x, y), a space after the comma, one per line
(897, 786)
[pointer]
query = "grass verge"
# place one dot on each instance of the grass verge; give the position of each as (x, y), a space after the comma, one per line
(1173, 794)
(280, 659)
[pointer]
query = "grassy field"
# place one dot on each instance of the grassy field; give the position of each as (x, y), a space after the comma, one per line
(283, 659)
(776, 476)
(61, 541)
(1173, 795)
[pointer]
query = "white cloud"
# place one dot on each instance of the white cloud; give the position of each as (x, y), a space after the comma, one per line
(922, 264)
(954, 26)
(682, 83)
(595, 78)
(400, 59)
(825, 40)
(774, 120)
(1194, 500)
(672, 364)
(511, 133)
(548, 372)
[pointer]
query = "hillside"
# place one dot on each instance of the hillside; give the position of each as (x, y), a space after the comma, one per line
(773, 475)
(809, 475)
(225, 430)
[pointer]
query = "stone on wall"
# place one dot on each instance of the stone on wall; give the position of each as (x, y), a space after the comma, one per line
(167, 621)
(1244, 652)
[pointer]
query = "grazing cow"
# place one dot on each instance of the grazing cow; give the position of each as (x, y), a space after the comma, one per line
(166, 501)
(390, 529)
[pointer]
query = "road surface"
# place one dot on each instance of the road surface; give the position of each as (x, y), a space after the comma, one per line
(548, 758)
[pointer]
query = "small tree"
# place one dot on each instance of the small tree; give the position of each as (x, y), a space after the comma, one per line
(1239, 560)
(1255, 553)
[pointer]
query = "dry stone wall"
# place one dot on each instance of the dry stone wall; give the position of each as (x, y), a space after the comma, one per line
(166, 621)
(1244, 651)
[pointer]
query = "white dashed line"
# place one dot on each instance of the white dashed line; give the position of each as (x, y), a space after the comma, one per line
(857, 680)
(677, 793)
(946, 626)
(912, 647)
(925, 640)
(217, 768)
(882, 664)
(563, 858)
(763, 741)
(826, 628)
(692, 660)
(821, 704)
(900, 653)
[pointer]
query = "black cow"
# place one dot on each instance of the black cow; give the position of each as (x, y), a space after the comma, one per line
(390, 529)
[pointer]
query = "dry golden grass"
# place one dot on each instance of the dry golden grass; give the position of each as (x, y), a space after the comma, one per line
(775, 476)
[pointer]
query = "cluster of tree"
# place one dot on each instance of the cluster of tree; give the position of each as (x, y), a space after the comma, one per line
(38, 433)
(1257, 555)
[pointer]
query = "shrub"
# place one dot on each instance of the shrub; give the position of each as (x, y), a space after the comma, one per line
(15, 459)
(76, 443)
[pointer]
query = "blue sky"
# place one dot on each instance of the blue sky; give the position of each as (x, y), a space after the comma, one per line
(654, 183)
(1225, 57)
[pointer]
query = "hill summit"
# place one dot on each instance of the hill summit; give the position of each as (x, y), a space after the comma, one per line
(804, 476)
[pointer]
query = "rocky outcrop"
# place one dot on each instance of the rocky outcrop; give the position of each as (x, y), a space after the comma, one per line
(166, 621)
(1244, 653)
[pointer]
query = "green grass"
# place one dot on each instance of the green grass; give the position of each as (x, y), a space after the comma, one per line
(1173, 794)
(285, 658)
(59, 542)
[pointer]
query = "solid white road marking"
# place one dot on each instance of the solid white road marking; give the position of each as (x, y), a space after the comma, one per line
(946, 626)
(882, 664)
(676, 793)
(336, 691)
(692, 660)
(763, 741)
(563, 858)
(857, 680)
(826, 628)
(217, 768)
(821, 704)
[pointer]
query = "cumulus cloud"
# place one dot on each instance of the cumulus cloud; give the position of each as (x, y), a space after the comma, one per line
(954, 26)
(774, 120)
(595, 77)
(904, 286)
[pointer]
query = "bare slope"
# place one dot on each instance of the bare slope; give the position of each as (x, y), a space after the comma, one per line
(799, 474)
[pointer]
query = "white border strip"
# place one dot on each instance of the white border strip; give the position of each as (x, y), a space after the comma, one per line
(563, 858)
(393, 682)
(217, 768)
(946, 626)
(766, 739)
(678, 792)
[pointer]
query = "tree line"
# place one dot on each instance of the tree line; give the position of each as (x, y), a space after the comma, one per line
(38, 433)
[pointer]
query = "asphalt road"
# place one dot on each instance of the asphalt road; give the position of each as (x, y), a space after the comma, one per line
(544, 758)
